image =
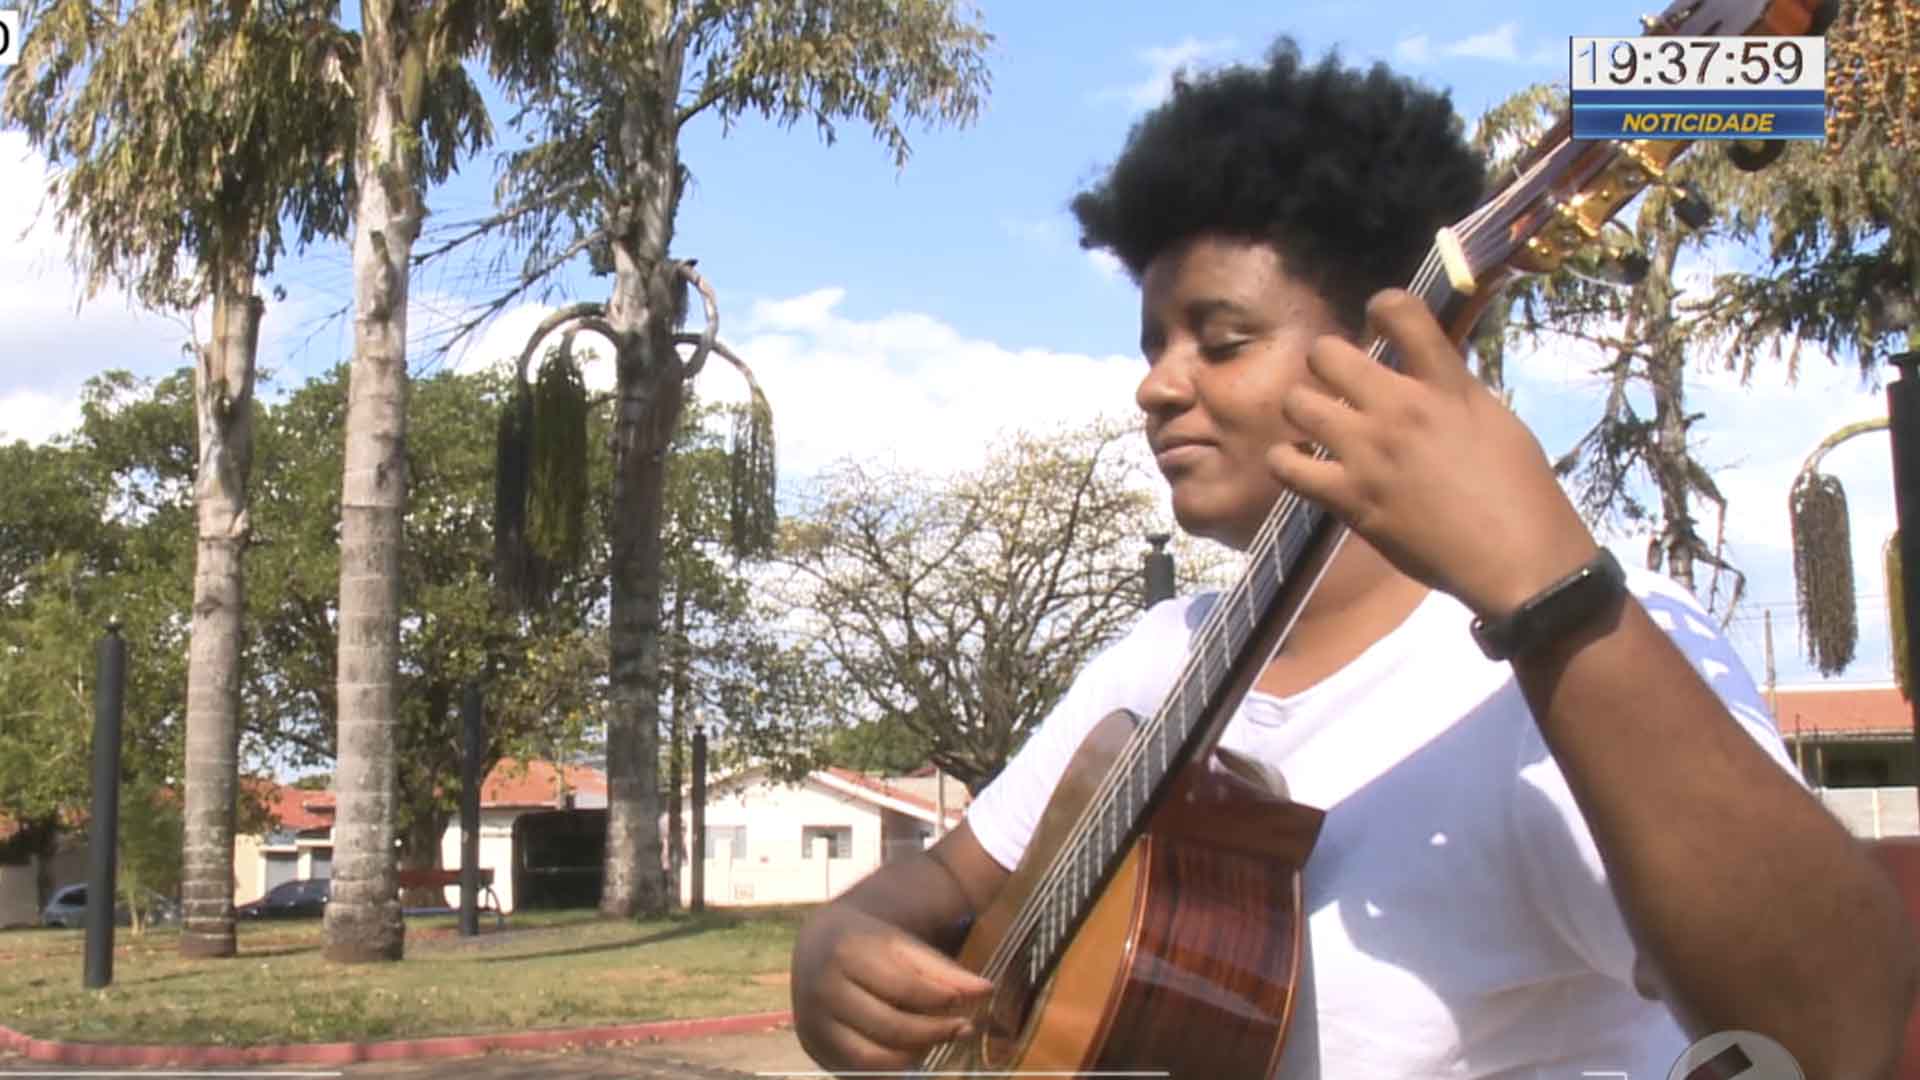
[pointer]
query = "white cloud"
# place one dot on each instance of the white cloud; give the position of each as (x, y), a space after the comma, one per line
(1108, 264)
(1502, 43)
(36, 417)
(50, 336)
(1414, 49)
(1040, 233)
(1163, 62)
(904, 388)
(1495, 44)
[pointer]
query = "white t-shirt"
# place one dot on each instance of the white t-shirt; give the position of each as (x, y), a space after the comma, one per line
(1458, 914)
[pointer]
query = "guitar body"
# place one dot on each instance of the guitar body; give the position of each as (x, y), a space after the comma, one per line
(1188, 959)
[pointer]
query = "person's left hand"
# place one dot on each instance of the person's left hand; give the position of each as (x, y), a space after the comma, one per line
(1429, 467)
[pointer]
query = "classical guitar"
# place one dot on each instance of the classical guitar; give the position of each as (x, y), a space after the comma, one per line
(1155, 922)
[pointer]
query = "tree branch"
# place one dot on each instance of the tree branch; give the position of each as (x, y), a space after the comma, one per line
(708, 333)
(480, 227)
(720, 349)
(590, 313)
(527, 281)
(709, 94)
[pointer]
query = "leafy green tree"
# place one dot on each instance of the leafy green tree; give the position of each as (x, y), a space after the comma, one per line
(959, 610)
(724, 663)
(97, 523)
(1838, 221)
(190, 135)
(607, 91)
(151, 832)
(539, 673)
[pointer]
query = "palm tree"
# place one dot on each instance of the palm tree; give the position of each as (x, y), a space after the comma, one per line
(419, 112)
(191, 133)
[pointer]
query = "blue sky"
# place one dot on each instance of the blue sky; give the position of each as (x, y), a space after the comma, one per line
(950, 299)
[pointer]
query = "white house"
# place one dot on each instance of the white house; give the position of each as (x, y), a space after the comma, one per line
(776, 843)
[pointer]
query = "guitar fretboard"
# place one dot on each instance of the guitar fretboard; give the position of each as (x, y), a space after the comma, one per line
(1192, 716)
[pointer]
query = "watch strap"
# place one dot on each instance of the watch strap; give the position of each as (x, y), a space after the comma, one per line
(1555, 611)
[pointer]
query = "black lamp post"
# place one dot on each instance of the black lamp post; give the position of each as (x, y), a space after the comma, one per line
(1159, 571)
(103, 828)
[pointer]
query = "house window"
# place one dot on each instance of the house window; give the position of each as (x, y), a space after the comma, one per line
(726, 841)
(840, 836)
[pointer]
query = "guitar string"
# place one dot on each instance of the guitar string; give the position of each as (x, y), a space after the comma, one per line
(1047, 892)
(1063, 866)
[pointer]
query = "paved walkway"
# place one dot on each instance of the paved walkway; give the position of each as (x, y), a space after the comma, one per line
(769, 1055)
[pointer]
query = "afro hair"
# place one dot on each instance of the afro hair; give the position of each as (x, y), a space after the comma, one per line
(1347, 174)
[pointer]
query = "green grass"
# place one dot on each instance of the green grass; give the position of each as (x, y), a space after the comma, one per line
(543, 970)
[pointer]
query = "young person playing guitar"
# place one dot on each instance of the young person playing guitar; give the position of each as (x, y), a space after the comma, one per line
(1573, 859)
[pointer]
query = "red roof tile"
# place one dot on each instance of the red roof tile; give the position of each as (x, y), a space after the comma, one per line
(957, 797)
(299, 809)
(538, 783)
(509, 784)
(1816, 711)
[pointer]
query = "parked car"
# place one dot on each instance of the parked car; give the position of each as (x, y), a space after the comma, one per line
(302, 899)
(68, 907)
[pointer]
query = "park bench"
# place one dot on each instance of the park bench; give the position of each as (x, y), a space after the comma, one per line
(441, 879)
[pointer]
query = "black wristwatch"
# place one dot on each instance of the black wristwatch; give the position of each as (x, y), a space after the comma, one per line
(1555, 611)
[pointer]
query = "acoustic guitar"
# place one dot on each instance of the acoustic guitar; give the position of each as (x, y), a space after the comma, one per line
(1155, 924)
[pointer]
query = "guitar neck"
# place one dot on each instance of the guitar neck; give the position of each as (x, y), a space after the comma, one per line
(1244, 629)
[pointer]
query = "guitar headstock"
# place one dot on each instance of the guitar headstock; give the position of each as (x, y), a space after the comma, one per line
(1564, 191)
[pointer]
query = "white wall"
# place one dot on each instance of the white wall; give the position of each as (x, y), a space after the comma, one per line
(773, 871)
(1871, 813)
(496, 852)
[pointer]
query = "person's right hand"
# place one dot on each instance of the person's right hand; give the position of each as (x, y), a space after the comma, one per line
(868, 995)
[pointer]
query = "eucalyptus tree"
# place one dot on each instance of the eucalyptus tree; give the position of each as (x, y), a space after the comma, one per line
(607, 89)
(190, 138)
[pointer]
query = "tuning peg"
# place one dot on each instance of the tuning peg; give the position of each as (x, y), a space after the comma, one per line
(1690, 206)
(1752, 156)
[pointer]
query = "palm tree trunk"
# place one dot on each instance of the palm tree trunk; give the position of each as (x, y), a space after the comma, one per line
(641, 312)
(635, 883)
(223, 415)
(363, 916)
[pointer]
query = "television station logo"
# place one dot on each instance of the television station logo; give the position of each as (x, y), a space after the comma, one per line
(1736, 1055)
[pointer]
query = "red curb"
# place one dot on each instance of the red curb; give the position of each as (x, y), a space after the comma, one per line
(347, 1053)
